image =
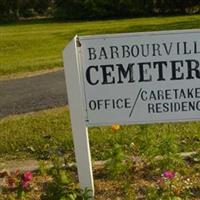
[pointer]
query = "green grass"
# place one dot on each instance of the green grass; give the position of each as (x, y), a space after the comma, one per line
(37, 134)
(38, 45)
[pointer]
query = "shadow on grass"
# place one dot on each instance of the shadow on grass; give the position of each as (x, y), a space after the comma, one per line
(47, 20)
(134, 28)
(168, 26)
(156, 27)
(28, 22)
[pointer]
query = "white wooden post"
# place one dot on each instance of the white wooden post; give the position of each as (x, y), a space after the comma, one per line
(79, 130)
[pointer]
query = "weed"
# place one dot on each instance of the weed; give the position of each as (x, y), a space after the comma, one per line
(159, 148)
(116, 165)
(62, 186)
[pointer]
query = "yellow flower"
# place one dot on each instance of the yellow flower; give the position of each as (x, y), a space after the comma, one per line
(115, 127)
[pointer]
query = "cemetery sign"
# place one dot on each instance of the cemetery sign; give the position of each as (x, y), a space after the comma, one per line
(140, 78)
(130, 79)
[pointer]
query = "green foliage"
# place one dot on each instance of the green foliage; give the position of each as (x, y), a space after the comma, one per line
(98, 9)
(94, 9)
(12, 10)
(116, 165)
(62, 186)
(43, 168)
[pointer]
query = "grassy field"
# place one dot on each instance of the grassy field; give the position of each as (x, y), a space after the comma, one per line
(37, 134)
(38, 45)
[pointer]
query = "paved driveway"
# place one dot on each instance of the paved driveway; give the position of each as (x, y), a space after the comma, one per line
(32, 93)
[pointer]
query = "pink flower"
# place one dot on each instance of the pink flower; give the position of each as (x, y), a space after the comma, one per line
(169, 174)
(27, 176)
(25, 184)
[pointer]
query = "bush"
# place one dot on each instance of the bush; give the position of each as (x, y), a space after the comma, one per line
(94, 9)
(98, 9)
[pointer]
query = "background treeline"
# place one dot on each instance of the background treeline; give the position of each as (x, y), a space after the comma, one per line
(94, 9)
(16, 9)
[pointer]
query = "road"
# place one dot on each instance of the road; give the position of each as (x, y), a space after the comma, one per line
(34, 93)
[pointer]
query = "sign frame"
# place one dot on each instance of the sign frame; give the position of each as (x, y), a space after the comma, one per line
(79, 130)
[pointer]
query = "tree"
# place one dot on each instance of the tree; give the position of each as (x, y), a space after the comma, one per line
(94, 9)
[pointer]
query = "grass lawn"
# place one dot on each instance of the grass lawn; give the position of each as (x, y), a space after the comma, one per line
(37, 134)
(38, 45)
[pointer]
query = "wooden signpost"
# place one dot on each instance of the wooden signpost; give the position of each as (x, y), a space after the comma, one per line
(131, 78)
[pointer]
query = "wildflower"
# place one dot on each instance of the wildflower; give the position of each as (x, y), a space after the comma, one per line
(27, 176)
(115, 127)
(169, 174)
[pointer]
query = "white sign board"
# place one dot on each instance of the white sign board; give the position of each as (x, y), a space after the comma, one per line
(140, 78)
(130, 78)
